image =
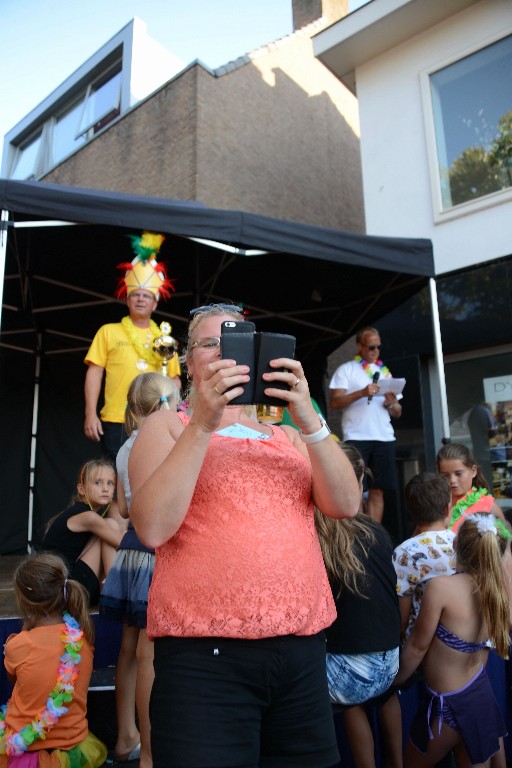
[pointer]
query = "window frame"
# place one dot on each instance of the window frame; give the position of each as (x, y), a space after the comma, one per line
(499, 197)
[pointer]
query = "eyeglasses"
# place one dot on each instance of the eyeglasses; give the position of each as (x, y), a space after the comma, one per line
(372, 347)
(227, 307)
(206, 342)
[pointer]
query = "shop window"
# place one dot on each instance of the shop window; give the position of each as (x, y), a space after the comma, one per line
(472, 110)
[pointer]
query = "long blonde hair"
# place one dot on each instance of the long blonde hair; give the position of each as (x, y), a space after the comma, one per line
(338, 538)
(481, 542)
(42, 588)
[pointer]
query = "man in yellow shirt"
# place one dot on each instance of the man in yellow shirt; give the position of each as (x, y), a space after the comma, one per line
(123, 350)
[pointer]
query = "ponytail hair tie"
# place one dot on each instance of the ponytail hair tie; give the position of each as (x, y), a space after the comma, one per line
(164, 402)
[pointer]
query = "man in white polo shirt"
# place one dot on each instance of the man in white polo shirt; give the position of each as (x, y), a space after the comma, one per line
(366, 415)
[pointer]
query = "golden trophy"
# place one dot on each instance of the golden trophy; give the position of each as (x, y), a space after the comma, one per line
(165, 345)
(269, 414)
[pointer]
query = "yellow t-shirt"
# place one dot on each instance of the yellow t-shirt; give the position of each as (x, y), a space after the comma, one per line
(112, 349)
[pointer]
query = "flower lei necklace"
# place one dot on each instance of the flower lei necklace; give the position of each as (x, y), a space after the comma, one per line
(18, 742)
(365, 365)
(144, 351)
(460, 508)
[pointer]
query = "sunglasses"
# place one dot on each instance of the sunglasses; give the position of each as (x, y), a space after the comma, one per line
(227, 307)
(372, 347)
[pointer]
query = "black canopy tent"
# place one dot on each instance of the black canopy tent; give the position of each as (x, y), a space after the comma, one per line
(318, 284)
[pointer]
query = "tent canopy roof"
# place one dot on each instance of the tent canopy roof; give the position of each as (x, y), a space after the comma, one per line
(317, 283)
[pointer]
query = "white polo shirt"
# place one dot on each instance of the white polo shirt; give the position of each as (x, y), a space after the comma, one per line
(362, 420)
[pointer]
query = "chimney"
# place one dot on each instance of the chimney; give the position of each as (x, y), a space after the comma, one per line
(306, 11)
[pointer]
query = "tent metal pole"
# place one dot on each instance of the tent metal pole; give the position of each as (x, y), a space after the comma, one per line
(33, 446)
(438, 347)
(3, 251)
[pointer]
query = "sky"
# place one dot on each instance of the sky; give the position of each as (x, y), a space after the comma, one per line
(45, 41)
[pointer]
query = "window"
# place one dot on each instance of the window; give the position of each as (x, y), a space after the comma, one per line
(64, 138)
(102, 103)
(77, 118)
(472, 108)
(25, 162)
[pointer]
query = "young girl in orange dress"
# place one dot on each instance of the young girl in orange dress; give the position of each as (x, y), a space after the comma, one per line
(44, 723)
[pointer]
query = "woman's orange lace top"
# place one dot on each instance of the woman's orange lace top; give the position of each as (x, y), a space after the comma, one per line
(246, 562)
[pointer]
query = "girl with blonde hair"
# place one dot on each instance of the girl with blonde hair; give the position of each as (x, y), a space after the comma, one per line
(459, 615)
(124, 598)
(82, 534)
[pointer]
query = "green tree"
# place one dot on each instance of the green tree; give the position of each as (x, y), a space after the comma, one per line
(472, 176)
(500, 151)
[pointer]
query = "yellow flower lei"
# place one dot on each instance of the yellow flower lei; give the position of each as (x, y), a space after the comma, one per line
(146, 353)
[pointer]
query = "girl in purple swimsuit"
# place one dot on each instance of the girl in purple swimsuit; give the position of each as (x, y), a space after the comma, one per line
(458, 615)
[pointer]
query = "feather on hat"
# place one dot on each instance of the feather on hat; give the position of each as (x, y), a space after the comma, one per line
(144, 272)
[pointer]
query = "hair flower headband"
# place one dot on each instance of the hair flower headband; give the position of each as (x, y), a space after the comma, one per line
(485, 524)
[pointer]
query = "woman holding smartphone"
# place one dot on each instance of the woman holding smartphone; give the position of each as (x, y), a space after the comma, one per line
(240, 597)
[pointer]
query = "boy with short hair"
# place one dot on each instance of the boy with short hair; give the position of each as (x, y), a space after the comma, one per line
(429, 552)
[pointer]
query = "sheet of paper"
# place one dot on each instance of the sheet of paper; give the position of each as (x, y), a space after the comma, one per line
(391, 385)
(242, 432)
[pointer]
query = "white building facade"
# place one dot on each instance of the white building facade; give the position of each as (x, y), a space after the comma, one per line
(434, 87)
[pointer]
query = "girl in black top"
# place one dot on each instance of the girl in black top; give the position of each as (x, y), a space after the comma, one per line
(81, 534)
(363, 643)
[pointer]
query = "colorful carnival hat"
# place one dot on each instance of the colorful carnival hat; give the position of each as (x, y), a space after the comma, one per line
(144, 271)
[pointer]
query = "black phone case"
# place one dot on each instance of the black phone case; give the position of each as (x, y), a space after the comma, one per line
(269, 347)
(237, 326)
(240, 347)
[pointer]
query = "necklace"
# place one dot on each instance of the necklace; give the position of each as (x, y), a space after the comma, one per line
(18, 742)
(365, 365)
(144, 349)
(459, 509)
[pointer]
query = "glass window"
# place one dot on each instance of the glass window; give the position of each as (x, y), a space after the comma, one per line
(64, 138)
(102, 103)
(472, 107)
(481, 415)
(26, 159)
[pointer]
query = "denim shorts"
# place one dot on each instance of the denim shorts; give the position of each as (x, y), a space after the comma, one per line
(353, 678)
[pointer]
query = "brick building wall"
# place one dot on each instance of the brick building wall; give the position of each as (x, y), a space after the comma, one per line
(274, 133)
(306, 11)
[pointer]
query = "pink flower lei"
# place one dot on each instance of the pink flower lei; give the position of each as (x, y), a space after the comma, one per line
(18, 742)
(365, 365)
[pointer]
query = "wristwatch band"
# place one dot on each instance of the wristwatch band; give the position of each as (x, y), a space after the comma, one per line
(322, 433)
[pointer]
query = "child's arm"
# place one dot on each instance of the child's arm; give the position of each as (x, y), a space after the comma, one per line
(405, 605)
(91, 522)
(418, 642)
(8, 664)
(121, 501)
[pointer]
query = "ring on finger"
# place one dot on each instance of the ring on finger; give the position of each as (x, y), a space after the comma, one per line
(217, 391)
(298, 380)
